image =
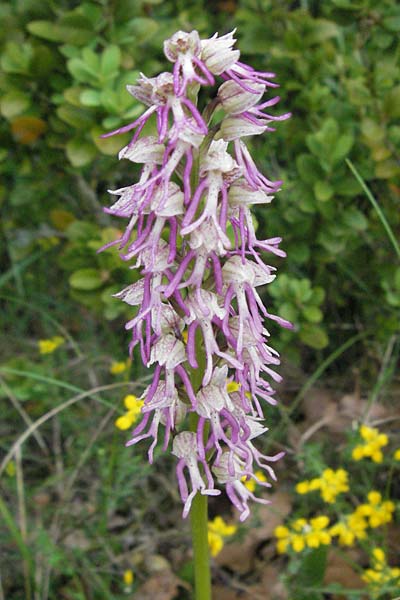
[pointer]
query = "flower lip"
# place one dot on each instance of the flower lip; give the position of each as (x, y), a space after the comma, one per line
(182, 43)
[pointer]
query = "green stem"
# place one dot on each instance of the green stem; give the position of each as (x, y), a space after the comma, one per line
(199, 509)
(202, 573)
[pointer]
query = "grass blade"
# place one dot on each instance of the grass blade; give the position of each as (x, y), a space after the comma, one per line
(376, 206)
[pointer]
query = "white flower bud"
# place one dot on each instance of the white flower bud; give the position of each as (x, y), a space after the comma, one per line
(217, 53)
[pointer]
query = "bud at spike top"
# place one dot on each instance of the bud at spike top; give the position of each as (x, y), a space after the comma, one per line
(199, 319)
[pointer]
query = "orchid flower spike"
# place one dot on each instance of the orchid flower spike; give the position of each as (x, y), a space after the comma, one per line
(198, 317)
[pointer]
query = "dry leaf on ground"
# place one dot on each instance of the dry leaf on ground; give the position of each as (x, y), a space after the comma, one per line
(239, 556)
(162, 586)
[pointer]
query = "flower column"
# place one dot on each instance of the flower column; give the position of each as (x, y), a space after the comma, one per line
(199, 318)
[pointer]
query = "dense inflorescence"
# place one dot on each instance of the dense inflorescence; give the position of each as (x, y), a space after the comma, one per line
(200, 319)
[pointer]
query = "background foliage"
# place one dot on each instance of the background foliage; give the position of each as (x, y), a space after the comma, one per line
(64, 67)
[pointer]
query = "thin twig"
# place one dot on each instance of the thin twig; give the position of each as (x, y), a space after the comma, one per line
(22, 519)
(18, 443)
(59, 464)
(314, 428)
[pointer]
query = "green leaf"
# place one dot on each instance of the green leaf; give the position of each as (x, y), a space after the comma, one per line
(342, 147)
(74, 116)
(110, 101)
(110, 62)
(54, 32)
(308, 168)
(313, 336)
(82, 231)
(109, 145)
(86, 279)
(392, 23)
(392, 103)
(14, 103)
(387, 169)
(312, 314)
(90, 98)
(288, 311)
(16, 58)
(323, 191)
(355, 219)
(322, 30)
(318, 295)
(110, 123)
(79, 152)
(72, 95)
(142, 28)
(83, 71)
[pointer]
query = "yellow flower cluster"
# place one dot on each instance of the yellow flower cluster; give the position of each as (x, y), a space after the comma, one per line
(217, 531)
(381, 573)
(330, 484)
(251, 484)
(351, 528)
(372, 448)
(312, 533)
(396, 455)
(118, 367)
(375, 511)
(48, 346)
(134, 409)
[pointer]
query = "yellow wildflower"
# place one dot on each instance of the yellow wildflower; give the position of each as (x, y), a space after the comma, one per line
(381, 573)
(303, 487)
(215, 543)
(377, 512)
(396, 454)
(219, 526)
(128, 577)
(118, 367)
(251, 484)
(48, 346)
(351, 528)
(378, 557)
(217, 531)
(298, 543)
(331, 483)
(134, 406)
(372, 448)
(302, 534)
